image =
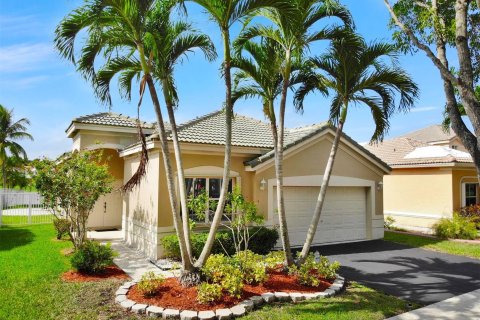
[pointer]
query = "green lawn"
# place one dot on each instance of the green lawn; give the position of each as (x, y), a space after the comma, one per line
(30, 286)
(446, 246)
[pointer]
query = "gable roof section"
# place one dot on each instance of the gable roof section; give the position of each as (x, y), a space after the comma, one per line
(431, 134)
(296, 136)
(408, 152)
(111, 119)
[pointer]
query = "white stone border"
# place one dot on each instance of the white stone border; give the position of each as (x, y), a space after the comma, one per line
(221, 314)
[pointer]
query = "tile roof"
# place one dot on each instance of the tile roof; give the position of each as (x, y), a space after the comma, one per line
(431, 134)
(405, 151)
(111, 119)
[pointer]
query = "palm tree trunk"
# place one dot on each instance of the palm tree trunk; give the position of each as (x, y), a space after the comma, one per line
(323, 190)
(180, 173)
(278, 149)
(187, 265)
(217, 218)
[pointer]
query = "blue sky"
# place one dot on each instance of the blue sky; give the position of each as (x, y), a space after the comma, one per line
(41, 86)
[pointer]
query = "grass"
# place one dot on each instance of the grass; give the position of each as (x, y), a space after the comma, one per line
(17, 220)
(30, 286)
(435, 244)
(358, 302)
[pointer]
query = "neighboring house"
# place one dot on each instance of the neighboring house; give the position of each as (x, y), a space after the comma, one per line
(432, 176)
(353, 210)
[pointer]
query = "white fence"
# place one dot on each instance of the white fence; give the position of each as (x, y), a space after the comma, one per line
(21, 207)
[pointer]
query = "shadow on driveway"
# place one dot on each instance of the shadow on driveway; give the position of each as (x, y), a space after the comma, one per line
(412, 274)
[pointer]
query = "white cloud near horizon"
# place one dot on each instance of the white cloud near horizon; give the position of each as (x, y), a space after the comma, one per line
(423, 109)
(24, 57)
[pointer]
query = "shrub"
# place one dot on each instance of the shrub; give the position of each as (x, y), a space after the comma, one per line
(62, 227)
(274, 259)
(472, 213)
(209, 292)
(456, 228)
(311, 271)
(92, 257)
(262, 242)
(150, 283)
(388, 223)
(252, 267)
(224, 271)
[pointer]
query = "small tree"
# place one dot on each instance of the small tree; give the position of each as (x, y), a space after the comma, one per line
(71, 185)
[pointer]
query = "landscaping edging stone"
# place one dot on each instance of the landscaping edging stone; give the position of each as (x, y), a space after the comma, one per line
(220, 314)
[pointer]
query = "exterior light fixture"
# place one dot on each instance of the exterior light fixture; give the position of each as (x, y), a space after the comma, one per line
(263, 183)
(380, 186)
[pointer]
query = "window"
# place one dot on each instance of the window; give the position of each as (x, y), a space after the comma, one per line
(470, 193)
(212, 187)
(454, 147)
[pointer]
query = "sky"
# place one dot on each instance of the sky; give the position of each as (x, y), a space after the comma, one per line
(46, 89)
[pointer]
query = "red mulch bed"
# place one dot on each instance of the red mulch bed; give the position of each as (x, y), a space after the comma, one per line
(112, 272)
(173, 295)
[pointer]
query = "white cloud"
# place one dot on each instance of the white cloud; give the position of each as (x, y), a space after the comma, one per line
(423, 109)
(24, 57)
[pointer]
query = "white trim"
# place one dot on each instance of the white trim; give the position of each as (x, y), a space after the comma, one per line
(207, 172)
(434, 165)
(415, 214)
(463, 192)
(315, 181)
(74, 126)
(97, 146)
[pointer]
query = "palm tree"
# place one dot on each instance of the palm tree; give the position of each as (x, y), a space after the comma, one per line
(120, 30)
(356, 73)
(292, 31)
(10, 132)
(225, 13)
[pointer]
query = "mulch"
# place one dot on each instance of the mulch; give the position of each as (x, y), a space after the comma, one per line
(111, 272)
(172, 295)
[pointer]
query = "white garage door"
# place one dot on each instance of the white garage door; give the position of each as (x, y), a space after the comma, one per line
(343, 216)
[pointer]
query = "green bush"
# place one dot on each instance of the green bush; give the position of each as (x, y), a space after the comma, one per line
(262, 242)
(150, 283)
(252, 267)
(208, 292)
(92, 257)
(456, 228)
(311, 272)
(472, 213)
(224, 271)
(274, 259)
(62, 227)
(388, 223)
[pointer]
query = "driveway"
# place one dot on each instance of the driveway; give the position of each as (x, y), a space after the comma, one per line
(411, 274)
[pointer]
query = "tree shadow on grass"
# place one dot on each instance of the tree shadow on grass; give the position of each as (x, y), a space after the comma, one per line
(11, 238)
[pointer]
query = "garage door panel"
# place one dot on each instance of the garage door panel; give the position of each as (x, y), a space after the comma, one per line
(343, 215)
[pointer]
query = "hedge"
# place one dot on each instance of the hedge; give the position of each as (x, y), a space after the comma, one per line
(262, 242)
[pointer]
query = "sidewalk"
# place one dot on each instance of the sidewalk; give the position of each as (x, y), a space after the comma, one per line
(134, 263)
(462, 307)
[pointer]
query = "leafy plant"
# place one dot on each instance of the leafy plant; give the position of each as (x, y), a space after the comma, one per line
(62, 227)
(472, 213)
(252, 267)
(224, 271)
(273, 260)
(208, 292)
(388, 223)
(456, 228)
(93, 257)
(311, 272)
(150, 283)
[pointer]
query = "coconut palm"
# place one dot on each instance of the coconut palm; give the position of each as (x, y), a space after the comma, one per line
(226, 13)
(293, 33)
(10, 132)
(356, 74)
(120, 30)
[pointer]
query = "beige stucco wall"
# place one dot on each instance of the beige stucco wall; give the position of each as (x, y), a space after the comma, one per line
(141, 206)
(87, 139)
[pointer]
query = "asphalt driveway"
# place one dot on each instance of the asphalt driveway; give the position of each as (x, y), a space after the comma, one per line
(411, 274)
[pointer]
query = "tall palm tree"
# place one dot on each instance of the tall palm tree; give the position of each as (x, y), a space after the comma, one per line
(293, 33)
(10, 132)
(356, 73)
(120, 31)
(226, 13)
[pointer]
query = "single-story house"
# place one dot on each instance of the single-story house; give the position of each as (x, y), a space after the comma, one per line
(432, 176)
(353, 210)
